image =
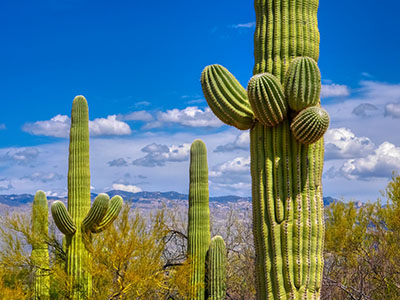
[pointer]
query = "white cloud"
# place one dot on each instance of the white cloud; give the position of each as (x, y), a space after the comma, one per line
(140, 115)
(59, 126)
(158, 154)
(109, 126)
(381, 163)
(393, 110)
(233, 174)
(191, 116)
(343, 143)
(126, 188)
(244, 25)
(242, 142)
(334, 90)
(365, 110)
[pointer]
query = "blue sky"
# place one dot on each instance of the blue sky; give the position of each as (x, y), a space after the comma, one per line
(139, 63)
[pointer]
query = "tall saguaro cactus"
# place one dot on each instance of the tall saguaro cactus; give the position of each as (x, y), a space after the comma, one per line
(281, 107)
(81, 220)
(40, 252)
(199, 217)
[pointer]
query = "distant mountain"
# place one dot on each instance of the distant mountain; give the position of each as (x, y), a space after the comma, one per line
(143, 197)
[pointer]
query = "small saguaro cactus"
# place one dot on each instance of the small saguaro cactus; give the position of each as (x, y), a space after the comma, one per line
(281, 107)
(40, 252)
(81, 220)
(216, 269)
(199, 217)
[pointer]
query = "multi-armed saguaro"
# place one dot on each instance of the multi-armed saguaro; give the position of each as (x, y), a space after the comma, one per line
(199, 245)
(40, 252)
(81, 220)
(281, 107)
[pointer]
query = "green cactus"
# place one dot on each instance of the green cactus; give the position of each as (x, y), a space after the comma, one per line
(40, 253)
(81, 220)
(199, 218)
(286, 158)
(216, 269)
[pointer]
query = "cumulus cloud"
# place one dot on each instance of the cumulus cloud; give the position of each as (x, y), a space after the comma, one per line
(343, 143)
(140, 115)
(381, 163)
(22, 156)
(364, 110)
(392, 110)
(334, 90)
(234, 173)
(108, 126)
(159, 155)
(191, 116)
(43, 177)
(59, 125)
(119, 162)
(126, 188)
(241, 142)
(248, 25)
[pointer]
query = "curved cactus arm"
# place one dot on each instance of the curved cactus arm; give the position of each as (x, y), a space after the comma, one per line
(226, 97)
(96, 212)
(267, 99)
(111, 214)
(310, 124)
(62, 218)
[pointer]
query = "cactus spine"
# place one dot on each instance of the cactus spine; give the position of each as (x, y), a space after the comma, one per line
(40, 253)
(216, 269)
(81, 220)
(199, 217)
(286, 171)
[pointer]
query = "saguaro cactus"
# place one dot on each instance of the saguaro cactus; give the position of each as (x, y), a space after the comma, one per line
(216, 269)
(40, 253)
(199, 217)
(81, 220)
(281, 108)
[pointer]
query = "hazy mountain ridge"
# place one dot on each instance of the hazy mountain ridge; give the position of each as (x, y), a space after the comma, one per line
(16, 200)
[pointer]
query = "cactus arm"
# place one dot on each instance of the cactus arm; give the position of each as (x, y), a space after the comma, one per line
(267, 99)
(62, 218)
(216, 269)
(96, 213)
(226, 97)
(112, 213)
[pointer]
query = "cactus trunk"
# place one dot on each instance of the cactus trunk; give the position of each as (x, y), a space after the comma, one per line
(286, 174)
(286, 146)
(216, 269)
(40, 253)
(78, 256)
(81, 220)
(199, 218)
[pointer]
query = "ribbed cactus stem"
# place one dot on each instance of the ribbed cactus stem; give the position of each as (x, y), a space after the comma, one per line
(286, 153)
(40, 253)
(216, 269)
(199, 218)
(80, 220)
